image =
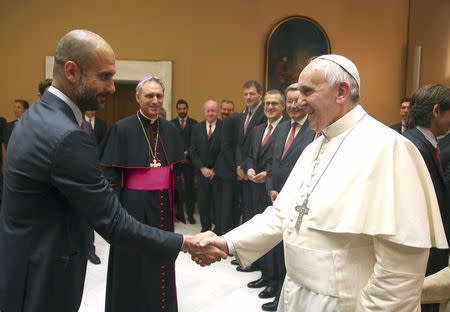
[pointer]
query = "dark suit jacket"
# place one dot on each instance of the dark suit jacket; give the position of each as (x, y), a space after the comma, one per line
(438, 258)
(186, 132)
(259, 156)
(279, 169)
(444, 145)
(53, 188)
(100, 129)
(226, 162)
(204, 153)
(243, 140)
(7, 131)
(397, 127)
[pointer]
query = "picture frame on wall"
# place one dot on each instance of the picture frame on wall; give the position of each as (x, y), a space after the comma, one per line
(292, 42)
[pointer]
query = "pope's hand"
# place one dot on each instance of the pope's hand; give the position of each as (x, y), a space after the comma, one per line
(202, 255)
(215, 242)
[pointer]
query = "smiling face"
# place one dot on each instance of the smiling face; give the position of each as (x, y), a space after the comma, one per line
(318, 98)
(150, 99)
(210, 111)
(273, 106)
(295, 111)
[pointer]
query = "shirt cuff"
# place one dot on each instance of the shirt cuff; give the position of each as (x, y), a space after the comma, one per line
(230, 245)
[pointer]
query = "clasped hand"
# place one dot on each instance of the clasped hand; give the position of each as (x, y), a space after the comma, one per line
(203, 254)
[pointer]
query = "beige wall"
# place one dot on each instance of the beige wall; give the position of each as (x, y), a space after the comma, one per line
(214, 45)
(430, 28)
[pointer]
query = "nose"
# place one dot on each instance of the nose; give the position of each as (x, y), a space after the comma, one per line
(112, 87)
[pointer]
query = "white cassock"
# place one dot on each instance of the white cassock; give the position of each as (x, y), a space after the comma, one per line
(373, 215)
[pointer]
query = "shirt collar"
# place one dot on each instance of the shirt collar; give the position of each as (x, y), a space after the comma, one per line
(428, 135)
(344, 123)
(253, 110)
(76, 111)
(152, 120)
(275, 123)
(301, 121)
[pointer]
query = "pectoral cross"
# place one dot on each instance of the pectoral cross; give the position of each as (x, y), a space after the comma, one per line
(302, 210)
(155, 164)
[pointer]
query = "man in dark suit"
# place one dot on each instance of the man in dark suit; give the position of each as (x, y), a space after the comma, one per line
(229, 214)
(251, 117)
(54, 188)
(402, 126)
(204, 151)
(289, 142)
(20, 106)
(184, 172)
(258, 159)
(429, 117)
(444, 145)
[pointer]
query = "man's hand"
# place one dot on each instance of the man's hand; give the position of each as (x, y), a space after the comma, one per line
(273, 195)
(251, 174)
(241, 174)
(260, 177)
(206, 172)
(215, 242)
(202, 255)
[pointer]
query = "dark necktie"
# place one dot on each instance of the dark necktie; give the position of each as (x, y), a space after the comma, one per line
(209, 132)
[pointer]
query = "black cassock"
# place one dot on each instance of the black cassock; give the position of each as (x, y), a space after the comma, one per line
(137, 282)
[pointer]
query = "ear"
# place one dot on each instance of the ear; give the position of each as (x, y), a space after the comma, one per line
(436, 110)
(343, 91)
(72, 71)
(137, 97)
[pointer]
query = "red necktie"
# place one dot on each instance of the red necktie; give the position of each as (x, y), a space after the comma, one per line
(437, 153)
(209, 132)
(247, 121)
(183, 123)
(290, 139)
(267, 136)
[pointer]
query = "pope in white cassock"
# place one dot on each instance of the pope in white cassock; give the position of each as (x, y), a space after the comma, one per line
(358, 213)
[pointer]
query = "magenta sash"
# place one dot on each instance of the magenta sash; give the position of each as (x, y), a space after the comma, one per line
(147, 179)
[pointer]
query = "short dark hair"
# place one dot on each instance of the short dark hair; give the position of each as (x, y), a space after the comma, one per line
(23, 102)
(252, 83)
(227, 101)
(44, 84)
(405, 99)
(181, 101)
(423, 102)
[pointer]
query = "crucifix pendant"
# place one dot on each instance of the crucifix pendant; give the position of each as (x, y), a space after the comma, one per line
(155, 164)
(302, 210)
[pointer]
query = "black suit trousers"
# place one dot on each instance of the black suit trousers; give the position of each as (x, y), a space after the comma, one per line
(207, 190)
(188, 192)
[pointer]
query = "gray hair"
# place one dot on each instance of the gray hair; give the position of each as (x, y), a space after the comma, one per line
(335, 74)
(292, 87)
(148, 79)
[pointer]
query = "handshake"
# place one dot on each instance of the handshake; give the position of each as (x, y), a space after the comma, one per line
(205, 248)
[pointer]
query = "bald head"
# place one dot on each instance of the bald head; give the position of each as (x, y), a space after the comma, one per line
(211, 110)
(79, 46)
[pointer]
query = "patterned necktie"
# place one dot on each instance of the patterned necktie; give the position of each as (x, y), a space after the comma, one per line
(290, 139)
(209, 132)
(183, 123)
(247, 121)
(437, 153)
(267, 136)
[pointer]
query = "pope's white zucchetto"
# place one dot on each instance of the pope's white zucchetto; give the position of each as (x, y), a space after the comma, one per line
(344, 63)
